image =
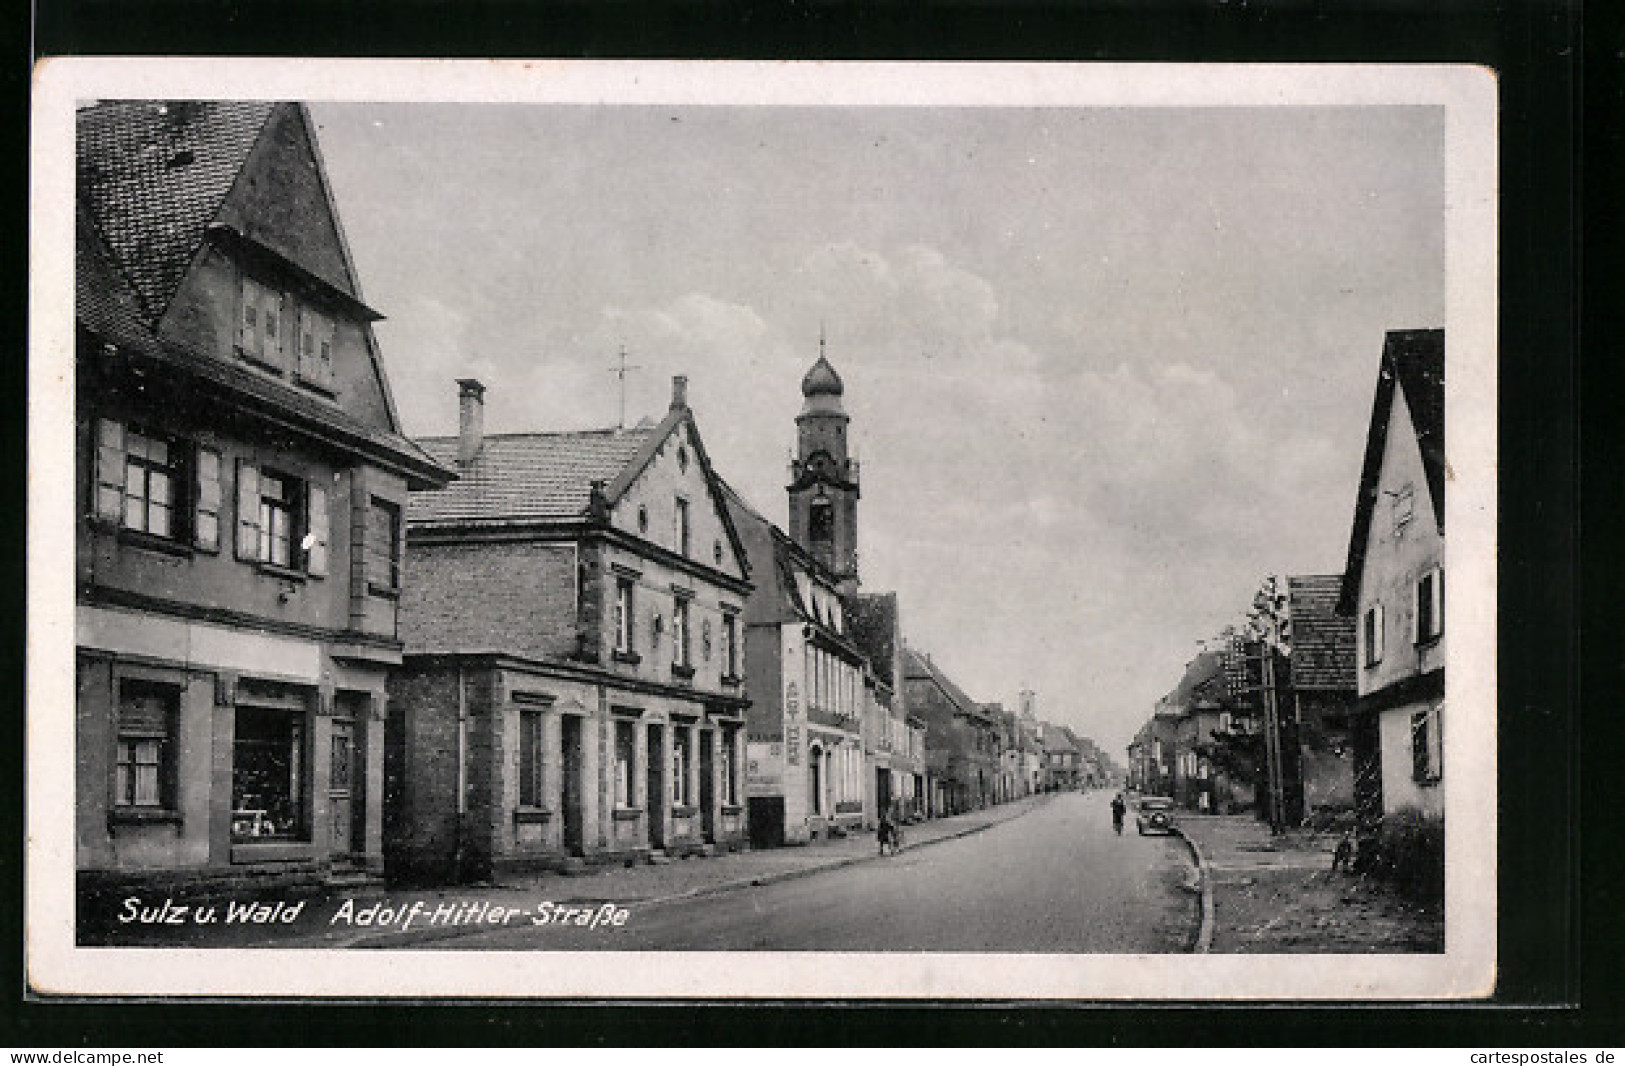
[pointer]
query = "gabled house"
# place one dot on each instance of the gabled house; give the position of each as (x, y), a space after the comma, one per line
(894, 739)
(1393, 584)
(241, 481)
(1321, 684)
(573, 685)
(962, 739)
(807, 686)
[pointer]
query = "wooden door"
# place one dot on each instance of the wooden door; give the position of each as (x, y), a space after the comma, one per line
(570, 742)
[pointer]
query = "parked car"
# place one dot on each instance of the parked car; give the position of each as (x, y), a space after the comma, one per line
(1155, 814)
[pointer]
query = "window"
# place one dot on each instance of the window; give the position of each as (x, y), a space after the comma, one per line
(282, 520)
(268, 775)
(530, 759)
(315, 348)
(623, 615)
(625, 759)
(152, 480)
(1430, 606)
(679, 633)
(1427, 746)
(682, 527)
(821, 522)
(384, 545)
(259, 333)
(144, 774)
(278, 501)
(141, 480)
(1403, 506)
(730, 645)
(1371, 635)
(680, 762)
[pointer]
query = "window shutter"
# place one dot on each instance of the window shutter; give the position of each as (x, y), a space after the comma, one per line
(1438, 600)
(109, 502)
(316, 510)
(206, 518)
(248, 510)
(1382, 634)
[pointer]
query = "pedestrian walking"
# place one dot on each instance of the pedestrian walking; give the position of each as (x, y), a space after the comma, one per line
(1119, 809)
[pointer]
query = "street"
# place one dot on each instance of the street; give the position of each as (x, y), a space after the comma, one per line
(1054, 880)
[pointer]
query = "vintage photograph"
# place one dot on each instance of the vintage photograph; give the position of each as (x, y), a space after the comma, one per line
(671, 529)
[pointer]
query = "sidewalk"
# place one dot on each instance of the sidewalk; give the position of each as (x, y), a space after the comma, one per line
(1280, 895)
(637, 886)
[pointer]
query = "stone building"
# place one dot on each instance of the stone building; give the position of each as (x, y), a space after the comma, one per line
(241, 480)
(894, 738)
(573, 685)
(1393, 584)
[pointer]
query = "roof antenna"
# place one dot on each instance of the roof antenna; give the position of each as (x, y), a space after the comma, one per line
(621, 372)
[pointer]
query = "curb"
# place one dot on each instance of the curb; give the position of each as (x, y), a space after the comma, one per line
(1204, 934)
(790, 875)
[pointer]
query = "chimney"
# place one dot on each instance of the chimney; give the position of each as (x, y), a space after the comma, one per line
(470, 420)
(679, 393)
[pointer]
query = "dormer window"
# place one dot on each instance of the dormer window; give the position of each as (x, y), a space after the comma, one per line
(259, 330)
(316, 333)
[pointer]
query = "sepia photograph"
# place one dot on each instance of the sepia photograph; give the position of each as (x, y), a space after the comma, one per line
(666, 530)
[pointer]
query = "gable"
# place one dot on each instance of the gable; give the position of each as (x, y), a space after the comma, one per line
(152, 175)
(281, 201)
(647, 506)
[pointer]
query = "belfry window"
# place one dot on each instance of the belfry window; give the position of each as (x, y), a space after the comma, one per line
(821, 521)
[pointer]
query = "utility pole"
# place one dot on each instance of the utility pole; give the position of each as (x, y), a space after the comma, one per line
(1272, 739)
(621, 372)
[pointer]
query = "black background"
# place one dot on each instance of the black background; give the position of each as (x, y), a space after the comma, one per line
(1561, 643)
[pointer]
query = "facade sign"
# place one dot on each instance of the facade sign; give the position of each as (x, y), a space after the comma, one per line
(792, 725)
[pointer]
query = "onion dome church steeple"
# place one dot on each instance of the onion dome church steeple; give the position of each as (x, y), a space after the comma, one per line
(823, 478)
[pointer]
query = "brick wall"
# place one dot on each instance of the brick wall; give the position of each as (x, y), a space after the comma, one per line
(519, 598)
(420, 773)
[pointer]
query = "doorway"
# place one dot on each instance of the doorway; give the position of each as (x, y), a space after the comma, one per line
(708, 789)
(657, 787)
(570, 743)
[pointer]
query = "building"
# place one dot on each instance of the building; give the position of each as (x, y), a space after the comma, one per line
(1063, 762)
(894, 739)
(573, 685)
(962, 739)
(241, 478)
(1321, 691)
(809, 689)
(1393, 584)
(1032, 744)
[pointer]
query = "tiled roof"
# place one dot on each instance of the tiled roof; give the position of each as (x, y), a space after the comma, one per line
(1057, 738)
(526, 476)
(1412, 360)
(873, 623)
(152, 176)
(1322, 640)
(1198, 683)
(917, 667)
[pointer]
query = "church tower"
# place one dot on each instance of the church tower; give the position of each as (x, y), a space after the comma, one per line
(823, 479)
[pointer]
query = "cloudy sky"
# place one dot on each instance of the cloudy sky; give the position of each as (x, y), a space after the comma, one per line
(1107, 367)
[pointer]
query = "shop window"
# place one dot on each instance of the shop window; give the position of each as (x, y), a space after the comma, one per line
(268, 775)
(145, 775)
(625, 759)
(530, 759)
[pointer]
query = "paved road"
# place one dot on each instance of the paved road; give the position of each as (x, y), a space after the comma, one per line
(1055, 880)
